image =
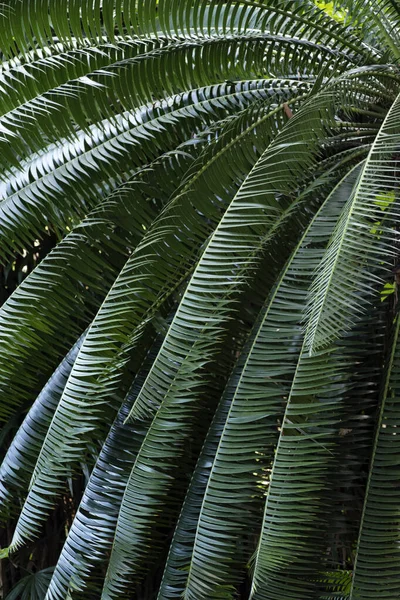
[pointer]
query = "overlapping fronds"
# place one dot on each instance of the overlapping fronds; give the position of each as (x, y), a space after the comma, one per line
(377, 559)
(144, 284)
(197, 327)
(19, 462)
(251, 428)
(192, 372)
(362, 245)
(384, 22)
(91, 534)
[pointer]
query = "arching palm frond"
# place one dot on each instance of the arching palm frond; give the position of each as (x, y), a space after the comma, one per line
(198, 378)
(378, 539)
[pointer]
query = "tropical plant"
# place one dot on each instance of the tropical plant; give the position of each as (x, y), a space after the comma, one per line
(199, 380)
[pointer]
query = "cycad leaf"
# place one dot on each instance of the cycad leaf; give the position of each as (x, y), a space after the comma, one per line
(378, 21)
(175, 573)
(377, 559)
(251, 428)
(297, 511)
(303, 16)
(72, 281)
(145, 283)
(142, 73)
(233, 248)
(361, 250)
(19, 462)
(148, 17)
(84, 167)
(197, 328)
(32, 587)
(152, 140)
(90, 537)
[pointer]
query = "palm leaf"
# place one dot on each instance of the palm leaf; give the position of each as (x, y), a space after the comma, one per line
(377, 558)
(383, 27)
(88, 260)
(19, 462)
(32, 587)
(251, 428)
(175, 573)
(356, 259)
(146, 17)
(292, 545)
(91, 533)
(127, 308)
(143, 71)
(196, 330)
(174, 153)
(96, 159)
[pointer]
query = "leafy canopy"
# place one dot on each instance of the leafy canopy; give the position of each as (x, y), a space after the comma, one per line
(200, 367)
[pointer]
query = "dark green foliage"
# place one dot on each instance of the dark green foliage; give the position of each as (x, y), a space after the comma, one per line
(199, 356)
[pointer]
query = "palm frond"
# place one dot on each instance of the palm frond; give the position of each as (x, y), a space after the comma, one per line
(384, 20)
(198, 223)
(84, 168)
(197, 328)
(71, 283)
(252, 427)
(377, 557)
(142, 73)
(361, 250)
(146, 281)
(32, 587)
(292, 546)
(19, 462)
(304, 18)
(148, 18)
(90, 537)
(176, 570)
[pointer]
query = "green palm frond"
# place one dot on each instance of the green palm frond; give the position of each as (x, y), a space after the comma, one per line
(198, 327)
(19, 462)
(176, 571)
(199, 259)
(148, 17)
(384, 24)
(90, 537)
(289, 16)
(132, 308)
(88, 259)
(362, 245)
(95, 159)
(377, 558)
(280, 322)
(32, 587)
(97, 93)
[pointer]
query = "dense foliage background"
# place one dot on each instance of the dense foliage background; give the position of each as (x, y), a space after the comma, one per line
(199, 357)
